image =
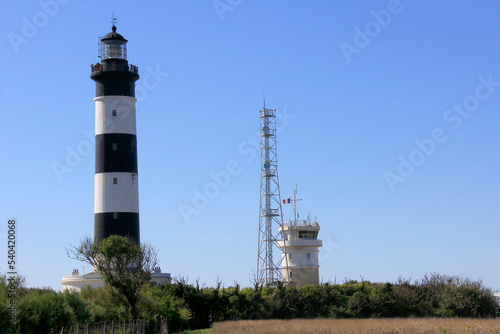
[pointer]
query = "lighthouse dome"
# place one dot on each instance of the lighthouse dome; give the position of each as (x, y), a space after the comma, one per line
(113, 36)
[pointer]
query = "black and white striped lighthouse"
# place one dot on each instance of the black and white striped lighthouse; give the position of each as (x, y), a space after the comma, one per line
(116, 201)
(116, 198)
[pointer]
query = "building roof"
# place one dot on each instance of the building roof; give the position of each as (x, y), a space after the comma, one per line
(302, 224)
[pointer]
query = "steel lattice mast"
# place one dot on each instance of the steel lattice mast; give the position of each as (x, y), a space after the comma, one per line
(268, 270)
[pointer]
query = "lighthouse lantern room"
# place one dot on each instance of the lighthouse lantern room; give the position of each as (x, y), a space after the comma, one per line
(113, 45)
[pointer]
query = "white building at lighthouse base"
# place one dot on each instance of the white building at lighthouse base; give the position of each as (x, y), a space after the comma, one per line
(94, 280)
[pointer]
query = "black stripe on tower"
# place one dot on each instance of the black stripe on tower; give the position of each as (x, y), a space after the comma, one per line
(117, 223)
(116, 152)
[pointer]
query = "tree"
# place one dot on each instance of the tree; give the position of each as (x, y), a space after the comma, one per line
(123, 264)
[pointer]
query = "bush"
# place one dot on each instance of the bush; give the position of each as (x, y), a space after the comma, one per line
(40, 311)
(187, 306)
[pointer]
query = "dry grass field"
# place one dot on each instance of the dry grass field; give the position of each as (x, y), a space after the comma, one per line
(355, 326)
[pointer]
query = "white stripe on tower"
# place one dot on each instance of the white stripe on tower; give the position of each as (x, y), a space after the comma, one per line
(120, 197)
(115, 114)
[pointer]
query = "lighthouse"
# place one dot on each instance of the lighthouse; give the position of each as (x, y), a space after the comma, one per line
(116, 197)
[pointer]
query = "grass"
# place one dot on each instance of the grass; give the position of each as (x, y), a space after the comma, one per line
(355, 326)
(198, 331)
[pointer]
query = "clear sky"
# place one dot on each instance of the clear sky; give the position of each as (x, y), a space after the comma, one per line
(389, 124)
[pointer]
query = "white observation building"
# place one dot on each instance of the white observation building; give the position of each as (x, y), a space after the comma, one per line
(301, 246)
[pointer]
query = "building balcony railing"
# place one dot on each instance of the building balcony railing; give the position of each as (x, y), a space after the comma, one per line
(300, 243)
(98, 67)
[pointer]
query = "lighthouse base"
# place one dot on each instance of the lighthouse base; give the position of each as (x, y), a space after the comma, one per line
(94, 280)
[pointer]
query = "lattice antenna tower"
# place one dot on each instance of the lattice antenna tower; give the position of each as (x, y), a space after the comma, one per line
(269, 270)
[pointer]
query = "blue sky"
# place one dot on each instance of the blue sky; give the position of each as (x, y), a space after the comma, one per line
(388, 124)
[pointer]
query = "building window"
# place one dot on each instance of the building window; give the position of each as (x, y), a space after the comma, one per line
(115, 146)
(308, 255)
(290, 257)
(290, 274)
(115, 215)
(115, 180)
(114, 112)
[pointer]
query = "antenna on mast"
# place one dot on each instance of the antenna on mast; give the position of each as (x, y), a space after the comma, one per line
(113, 19)
(295, 199)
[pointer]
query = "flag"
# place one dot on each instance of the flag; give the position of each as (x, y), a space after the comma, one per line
(285, 201)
